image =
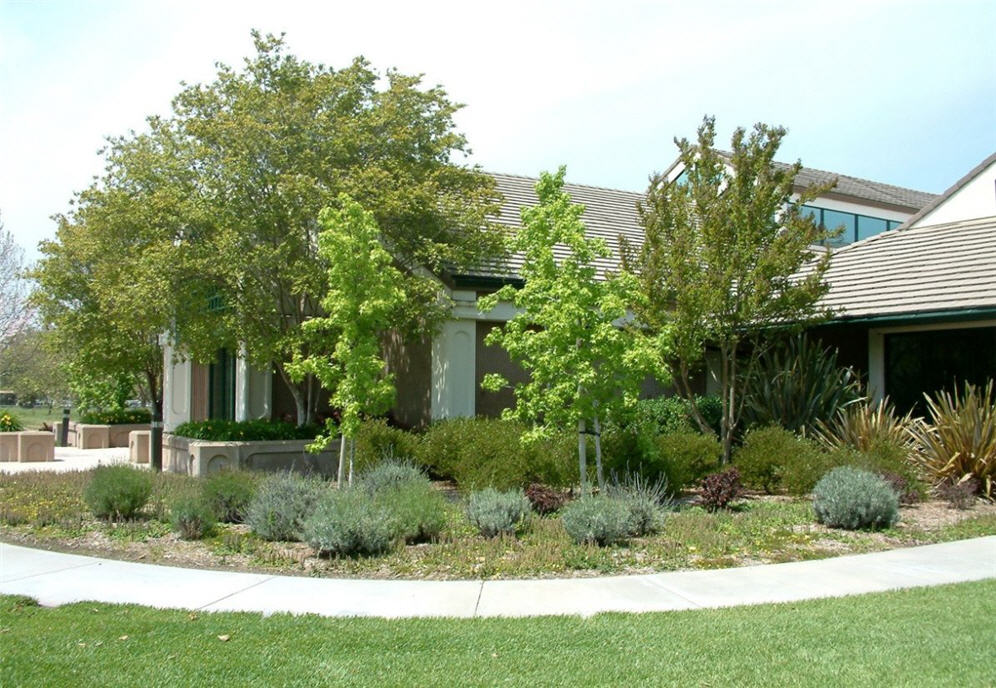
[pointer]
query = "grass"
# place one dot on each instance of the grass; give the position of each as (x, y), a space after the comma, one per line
(922, 637)
(32, 418)
(46, 509)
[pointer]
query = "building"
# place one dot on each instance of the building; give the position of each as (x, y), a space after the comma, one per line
(440, 376)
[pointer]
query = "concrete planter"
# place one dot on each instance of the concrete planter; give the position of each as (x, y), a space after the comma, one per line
(8, 446)
(84, 436)
(138, 446)
(203, 457)
(27, 445)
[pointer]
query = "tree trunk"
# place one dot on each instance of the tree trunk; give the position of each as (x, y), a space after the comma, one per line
(352, 455)
(342, 461)
(583, 457)
(598, 455)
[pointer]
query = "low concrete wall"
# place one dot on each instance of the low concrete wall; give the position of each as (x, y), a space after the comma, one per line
(138, 446)
(27, 445)
(88, 436)
(203, 457)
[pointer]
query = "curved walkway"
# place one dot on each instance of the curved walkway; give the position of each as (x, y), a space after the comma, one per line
(53, 579)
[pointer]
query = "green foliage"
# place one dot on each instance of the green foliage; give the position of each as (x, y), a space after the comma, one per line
(645, 500)
(672, 414)
(687, 457)
(581, 364)
(720, 257)
(598, 519)
(497, 513)
(281, 505)
(959, 441)
(865, 425)
(770, 455)
(117, 492)
(229, 494)
(117, 417)
(192, 518)
(418, 510)
(390, 474)
(719, 489)
(487, 452)
(349, 522)
(377, 441)
(797, 384)
(852, 499)
(365, 295)
(245, 431)
(9, 422)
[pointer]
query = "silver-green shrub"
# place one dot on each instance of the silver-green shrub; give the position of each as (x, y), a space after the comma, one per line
(192, 517)
(281, 505)
(645, 499)
(391, 473)
(494, 512)
(851, 498)
(600, 520)
(419, 511)
(349, 522)
(118, 492)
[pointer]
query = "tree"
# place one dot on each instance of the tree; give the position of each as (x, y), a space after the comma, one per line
(280, 140)
(15, 313)
(727, 258)
(31, 369)
(366, 293)
(582, 363)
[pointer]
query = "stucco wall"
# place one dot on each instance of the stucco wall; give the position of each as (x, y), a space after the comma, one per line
(411, 363)
(494, 359)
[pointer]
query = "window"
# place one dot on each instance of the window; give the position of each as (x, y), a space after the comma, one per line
(855, 226)
(221, 387)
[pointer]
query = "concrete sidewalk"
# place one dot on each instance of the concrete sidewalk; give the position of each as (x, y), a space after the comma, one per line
(70, 459)
(55, 579)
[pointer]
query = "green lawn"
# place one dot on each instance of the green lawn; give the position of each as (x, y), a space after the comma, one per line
(932, 636)
(32, 418)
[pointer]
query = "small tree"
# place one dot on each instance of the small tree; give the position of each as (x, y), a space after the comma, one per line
(727, 257)
(583, 364)
(15, 314)
(366, 293)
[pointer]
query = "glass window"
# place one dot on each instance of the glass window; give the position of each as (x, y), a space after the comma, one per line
(221, 387)
(833, 219)
(810, 211)
(870, 226)
(894, 223)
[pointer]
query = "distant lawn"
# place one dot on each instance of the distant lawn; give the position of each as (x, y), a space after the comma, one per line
(924, 637)
(32, 418)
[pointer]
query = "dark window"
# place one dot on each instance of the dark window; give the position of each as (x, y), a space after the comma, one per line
(919, 362)
(221, 387)
(855, 227)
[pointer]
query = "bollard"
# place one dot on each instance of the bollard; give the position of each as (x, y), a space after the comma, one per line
(156, 440)
(64, 430)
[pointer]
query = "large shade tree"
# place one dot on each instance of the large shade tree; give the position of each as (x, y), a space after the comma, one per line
(204, 228)
(727, 258)
(15, 313)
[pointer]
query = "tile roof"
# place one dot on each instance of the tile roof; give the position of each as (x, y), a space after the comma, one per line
(944, 267)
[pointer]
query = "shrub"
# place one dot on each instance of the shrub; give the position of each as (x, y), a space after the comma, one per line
(487, 452)
(959, 495)
(544, 499)
(773, 459)
(495, 513)
(246, 431)
(864, 426)
(117, 491)
(229, 494)
(906, 493)
(851, 498)
(10, 423)
(719, 489)
(349, 522)
(959, 443)
(281, 505)
(117, 417)
(419, 511)
(686, 457)
(599, 520)
(377, 441)
(192, 518)
(673, 414)
(796, 385)
(645, 501)
(390, 474)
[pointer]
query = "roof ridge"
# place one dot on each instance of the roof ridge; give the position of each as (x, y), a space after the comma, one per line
(568, 183)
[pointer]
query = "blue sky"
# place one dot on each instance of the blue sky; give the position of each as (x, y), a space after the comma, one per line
(902, 92)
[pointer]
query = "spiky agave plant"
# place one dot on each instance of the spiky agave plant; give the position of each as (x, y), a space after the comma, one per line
(865, 425)
(959, 441)
(797, 384)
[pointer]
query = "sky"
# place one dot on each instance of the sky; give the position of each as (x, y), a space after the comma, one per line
(902, 92)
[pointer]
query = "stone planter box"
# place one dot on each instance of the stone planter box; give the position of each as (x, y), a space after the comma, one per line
(8, 446)
(27, 445)
(138, 446)
(35, 446)
(98, 436)
(203, 457)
